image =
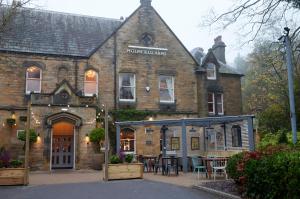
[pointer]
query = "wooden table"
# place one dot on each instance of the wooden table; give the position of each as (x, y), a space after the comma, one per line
(167, 162)
(208, 162)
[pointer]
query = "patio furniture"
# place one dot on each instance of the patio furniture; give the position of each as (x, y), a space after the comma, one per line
(219, 165)
(199, 165)
(169, 164)
(158, 164)
(149, 162)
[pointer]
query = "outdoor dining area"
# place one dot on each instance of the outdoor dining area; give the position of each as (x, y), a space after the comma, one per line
(179, 150)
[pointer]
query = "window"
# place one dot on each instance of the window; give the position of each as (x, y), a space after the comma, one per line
(211, 71)
(195, 143)
(166, 89)
(90, 83)
(211, 103)
(33, 80)
(215, 101)
(175, 145)
(127, 140)
(236, 136)
(127, 87)
(220, 104)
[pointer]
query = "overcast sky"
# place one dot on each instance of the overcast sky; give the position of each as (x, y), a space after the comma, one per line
(183, 16)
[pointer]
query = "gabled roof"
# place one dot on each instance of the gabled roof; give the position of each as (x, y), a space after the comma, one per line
(55, 33)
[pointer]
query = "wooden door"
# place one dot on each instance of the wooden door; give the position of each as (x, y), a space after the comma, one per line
(62, 151)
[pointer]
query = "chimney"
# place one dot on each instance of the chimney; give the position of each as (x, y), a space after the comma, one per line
(145, 3)
(219, 49)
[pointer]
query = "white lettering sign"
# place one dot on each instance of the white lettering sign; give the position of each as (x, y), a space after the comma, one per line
(147, 50)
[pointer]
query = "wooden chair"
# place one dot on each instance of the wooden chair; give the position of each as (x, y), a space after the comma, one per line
(219, 165)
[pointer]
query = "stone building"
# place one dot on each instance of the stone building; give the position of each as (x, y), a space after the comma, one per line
(66, 65)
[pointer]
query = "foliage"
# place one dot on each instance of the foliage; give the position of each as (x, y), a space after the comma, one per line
(97, 135)
(282, 137)
(114, 159)
(10, 121)
(128, 158)
(32, 136)
(6, 162)
(131, 115)
(273, 139)
(269, 173)
(16, 163)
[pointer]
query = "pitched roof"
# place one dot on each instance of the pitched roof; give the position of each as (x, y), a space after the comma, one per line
(55, 33)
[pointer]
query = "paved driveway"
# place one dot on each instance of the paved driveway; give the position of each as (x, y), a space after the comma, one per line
(134, 189)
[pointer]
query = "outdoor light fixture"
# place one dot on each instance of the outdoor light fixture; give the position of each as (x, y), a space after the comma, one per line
(64, 109)
(150, 118)
(192, 130)
(147, 88)
(87, 138)
(13, 115)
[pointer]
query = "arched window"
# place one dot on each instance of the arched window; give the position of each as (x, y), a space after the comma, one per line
(33, 79)
(127, 140)
(236, 136)
(90, 83)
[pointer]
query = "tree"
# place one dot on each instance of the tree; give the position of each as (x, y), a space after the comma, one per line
(258, 16)
(8, 11)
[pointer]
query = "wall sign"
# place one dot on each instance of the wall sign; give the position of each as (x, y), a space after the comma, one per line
(147, 50)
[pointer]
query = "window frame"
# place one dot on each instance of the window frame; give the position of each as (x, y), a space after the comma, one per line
(239, 136)
(134, 141)
(198, 142)
(172, 144)
(222, 103)
(173, 89)
(213, 103)
(120, 86)
(27, 78)
(85, 81)
(214, 72)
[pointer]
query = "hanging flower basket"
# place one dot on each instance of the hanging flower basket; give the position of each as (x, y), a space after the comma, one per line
(11, 121)
(23, 118)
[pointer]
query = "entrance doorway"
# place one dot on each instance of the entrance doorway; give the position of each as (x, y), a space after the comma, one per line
(62, 156)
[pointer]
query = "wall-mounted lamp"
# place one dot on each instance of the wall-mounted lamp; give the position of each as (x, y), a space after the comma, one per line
(87, 138)
(192, 130)
(64, 109)
(147, 88)
(150, 118)
(13, 115)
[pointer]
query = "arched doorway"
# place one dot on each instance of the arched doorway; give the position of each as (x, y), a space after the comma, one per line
(62, 145)
(64, 140)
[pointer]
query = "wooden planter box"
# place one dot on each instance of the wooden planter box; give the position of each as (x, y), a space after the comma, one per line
(12, 176)
(125, 171)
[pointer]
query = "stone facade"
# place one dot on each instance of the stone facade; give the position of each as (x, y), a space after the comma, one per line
(124, 51)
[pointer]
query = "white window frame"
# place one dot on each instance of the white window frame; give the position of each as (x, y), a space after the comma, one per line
(173, 89)
(214, 70)
(134, 86)
(90, 94)
(222, 103)
(213, 102)
(39, 91)
(134, 140)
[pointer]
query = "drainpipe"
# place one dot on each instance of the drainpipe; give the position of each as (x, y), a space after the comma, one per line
(76, 74)
(115, 70)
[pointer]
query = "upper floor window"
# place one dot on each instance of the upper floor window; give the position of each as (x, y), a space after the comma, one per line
(90, 83)
(211, 71)
(215, 103)
(211, 103)
(166, 89)
(127, 87)
(33, 80)
(236, 136)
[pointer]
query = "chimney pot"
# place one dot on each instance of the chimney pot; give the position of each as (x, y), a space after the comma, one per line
(219, 49)
(145, 2)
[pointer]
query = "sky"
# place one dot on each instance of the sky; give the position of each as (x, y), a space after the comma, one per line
(183, 17)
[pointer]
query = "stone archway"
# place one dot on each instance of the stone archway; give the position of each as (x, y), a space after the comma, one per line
(62, 140)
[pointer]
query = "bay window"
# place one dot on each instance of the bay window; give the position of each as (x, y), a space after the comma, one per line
(166, 89)
(33, 80)
(90, 83)
(127, 87)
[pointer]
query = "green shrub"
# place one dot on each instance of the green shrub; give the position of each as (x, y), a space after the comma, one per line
(97, 135)
(32, 136)
(114, 159)
(128, 158)
(282, 137)
(16, 163)
(231, 167)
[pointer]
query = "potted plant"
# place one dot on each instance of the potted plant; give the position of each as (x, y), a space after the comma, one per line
(118, 170)
(97, 136)
(32, 136)
(12, 172)
(11, 121)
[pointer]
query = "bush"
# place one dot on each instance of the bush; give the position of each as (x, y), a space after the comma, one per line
(114, 159)
(128, 158)
(232, 164)
(97, 135)
(16, 163)
(32, 136)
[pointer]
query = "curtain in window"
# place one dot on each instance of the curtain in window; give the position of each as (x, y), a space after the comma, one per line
(166, 89)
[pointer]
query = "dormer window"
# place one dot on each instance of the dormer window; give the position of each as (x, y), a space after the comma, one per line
(211, 71)
(33, 80)
(90, 83)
